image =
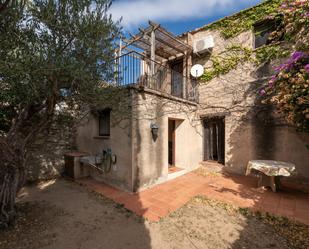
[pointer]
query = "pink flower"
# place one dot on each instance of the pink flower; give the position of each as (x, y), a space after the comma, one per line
(297, 55)
(262, 92)
(272, 80)
(271, 84)
(281, 67)
(307, 68)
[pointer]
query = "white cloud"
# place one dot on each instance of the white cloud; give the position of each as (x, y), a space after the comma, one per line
(136, 12)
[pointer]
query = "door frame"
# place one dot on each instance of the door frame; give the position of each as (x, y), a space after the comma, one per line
(172, 121)
(220, 143)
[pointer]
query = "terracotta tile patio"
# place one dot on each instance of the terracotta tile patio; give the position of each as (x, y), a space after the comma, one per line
(173, 169)
(240, 191)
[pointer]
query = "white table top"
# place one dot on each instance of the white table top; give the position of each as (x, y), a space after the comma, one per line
(271, 167)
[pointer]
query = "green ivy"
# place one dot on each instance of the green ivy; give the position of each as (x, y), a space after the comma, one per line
(235, 54)
(270, 52)
(244, 20)
(226, 61)
(235, 25)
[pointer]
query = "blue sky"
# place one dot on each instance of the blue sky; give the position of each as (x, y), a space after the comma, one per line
(177, 16)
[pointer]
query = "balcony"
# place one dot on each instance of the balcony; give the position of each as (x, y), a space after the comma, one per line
(136, 69)
(161, 63)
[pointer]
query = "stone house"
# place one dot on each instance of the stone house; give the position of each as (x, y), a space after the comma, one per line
(158, 116)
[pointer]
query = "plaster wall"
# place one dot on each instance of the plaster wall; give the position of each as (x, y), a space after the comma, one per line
(119, 141)
(150, 161)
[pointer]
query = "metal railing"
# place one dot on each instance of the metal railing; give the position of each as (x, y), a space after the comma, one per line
(134, 68)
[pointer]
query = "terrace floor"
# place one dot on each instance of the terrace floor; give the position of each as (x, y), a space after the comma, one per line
(240, 191)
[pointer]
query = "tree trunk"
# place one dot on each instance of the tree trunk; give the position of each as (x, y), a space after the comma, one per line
(12, 177)
(13, 153)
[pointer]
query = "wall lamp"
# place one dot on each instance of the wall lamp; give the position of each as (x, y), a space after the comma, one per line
(154, 131)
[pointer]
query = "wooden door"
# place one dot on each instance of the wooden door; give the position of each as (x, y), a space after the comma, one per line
(214, 140)
(171, 142)
(177, 78)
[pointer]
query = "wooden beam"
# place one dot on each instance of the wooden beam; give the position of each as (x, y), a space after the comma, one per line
(154, 25)
(128, 50)
(153, 52)
(133, 44)
(162, 53)
(170, 45)
(132, 41)
(146, 34)
(170, 35)
(162, 41)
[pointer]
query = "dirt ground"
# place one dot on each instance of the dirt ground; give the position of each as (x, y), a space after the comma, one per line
(60, 214)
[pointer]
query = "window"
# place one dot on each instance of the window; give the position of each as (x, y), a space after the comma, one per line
(104, 122)
(263, 30)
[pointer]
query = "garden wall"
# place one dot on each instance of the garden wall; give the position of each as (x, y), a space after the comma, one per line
(46, 159)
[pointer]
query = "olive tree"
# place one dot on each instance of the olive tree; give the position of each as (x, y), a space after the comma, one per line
(53, 53)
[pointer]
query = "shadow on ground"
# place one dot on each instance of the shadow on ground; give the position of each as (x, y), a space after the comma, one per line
(62, 214)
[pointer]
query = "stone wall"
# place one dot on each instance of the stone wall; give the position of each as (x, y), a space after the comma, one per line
(46, 159)
(252, 130)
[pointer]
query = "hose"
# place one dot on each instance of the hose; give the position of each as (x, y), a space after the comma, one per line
(107, 162)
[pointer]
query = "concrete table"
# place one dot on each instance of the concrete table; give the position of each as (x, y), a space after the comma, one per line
(270, 172)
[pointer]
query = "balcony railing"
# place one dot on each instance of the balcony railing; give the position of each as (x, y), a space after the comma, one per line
(136, 69)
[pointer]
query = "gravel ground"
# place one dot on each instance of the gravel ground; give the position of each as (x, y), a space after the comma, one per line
(61, 214)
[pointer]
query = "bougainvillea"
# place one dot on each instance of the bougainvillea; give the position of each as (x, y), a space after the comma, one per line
(296, 22)
(288, 89)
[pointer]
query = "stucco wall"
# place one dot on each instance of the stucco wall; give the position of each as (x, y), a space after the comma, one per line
(89, 141)
(150, 162)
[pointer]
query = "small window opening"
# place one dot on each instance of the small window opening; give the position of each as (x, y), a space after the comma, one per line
(263, 31)
(104, 122)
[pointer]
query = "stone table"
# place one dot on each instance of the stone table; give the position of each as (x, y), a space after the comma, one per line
(270, 172)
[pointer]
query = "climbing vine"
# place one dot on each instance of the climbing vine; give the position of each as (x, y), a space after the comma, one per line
(244, 20)
(226, 61)
(295, 18)
(270, 52)
(288, 89)
(236, 54)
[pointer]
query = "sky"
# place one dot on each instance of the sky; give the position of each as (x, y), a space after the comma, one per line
(177, 16)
